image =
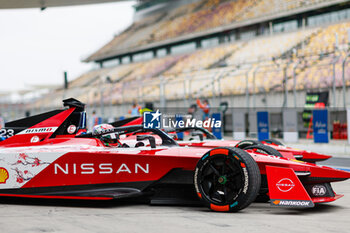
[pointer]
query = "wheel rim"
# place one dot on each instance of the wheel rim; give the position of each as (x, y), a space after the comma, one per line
(221, 179)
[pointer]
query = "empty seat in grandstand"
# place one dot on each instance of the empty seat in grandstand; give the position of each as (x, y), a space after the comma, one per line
(268, 7)
(268, 47)
(151, 68)
(89, 77)
(203, 59)
(191, 18)
(326, 39)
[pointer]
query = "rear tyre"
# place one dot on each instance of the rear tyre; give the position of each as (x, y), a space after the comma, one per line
(264, 149)
(227, 179)
(273, 141)
(243, 144)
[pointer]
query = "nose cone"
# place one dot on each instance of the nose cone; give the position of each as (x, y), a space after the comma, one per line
(309, 156)
(328, 174)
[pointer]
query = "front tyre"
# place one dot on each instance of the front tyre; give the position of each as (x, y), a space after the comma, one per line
(263, 149)
(227, 179)
(245, 143)
(273, 141)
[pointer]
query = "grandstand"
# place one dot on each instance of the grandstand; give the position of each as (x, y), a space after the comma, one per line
(249, 53)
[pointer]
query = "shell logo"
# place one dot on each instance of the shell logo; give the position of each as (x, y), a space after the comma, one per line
(4, 175)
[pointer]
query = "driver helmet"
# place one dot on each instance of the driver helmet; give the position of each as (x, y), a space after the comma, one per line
(110, 138)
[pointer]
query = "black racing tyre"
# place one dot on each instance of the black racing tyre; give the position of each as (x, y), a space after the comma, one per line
(264, 149)
(273, 141)
(243, 144)
(227, 179)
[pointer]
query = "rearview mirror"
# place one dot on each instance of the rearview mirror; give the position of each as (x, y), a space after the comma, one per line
(151, 139)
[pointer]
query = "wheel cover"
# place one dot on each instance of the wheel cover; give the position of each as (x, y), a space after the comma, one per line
(221, 179)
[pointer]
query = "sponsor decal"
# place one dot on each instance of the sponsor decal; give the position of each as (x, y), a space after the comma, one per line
(38, 130)
(234, 204)
(195, 180)
(276, 202)
(246, 181)
(4, 175)
(319, 190)
(292, 203)
(34, 139)
(71, 129)
(23, 166)
(205, 156)
(102, 168)
(197, 171)
(285, 185)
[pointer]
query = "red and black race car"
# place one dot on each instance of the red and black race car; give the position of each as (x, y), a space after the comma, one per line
(201, 137)
(52, 157)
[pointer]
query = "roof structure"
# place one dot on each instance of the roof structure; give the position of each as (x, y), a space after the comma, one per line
(42, 4)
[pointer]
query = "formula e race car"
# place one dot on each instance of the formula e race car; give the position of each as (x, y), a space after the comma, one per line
(53, 157)
(201, 137)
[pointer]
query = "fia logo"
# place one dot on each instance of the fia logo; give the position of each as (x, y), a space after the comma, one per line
(152, 120)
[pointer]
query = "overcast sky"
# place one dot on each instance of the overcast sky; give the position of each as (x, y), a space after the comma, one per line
(37, 46)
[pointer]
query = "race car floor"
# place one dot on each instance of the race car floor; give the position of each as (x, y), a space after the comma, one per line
(65, 216)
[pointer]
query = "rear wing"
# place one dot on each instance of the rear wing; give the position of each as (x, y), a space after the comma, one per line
(39, 127)
(14, 127)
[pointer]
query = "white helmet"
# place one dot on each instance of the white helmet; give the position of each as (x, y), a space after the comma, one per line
(107, 138)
